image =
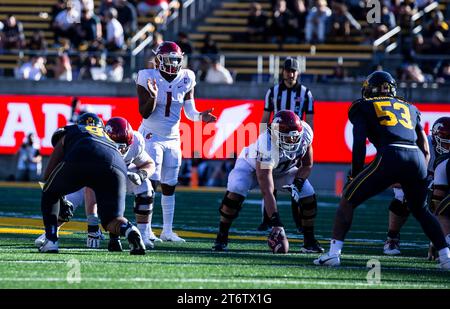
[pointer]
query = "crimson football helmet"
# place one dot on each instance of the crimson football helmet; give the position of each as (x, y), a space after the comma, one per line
(440, 133)
(169, 57)
(121, 132)
(288, 130)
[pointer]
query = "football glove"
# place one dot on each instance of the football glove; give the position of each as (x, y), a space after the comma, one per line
(295, 188)
(65, 210)
(137, 178)
(93, 239)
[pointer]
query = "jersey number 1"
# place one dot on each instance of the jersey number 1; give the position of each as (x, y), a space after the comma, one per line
(381, 108)
(168, 103)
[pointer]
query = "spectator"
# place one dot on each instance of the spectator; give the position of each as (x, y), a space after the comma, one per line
(437, 23)
(387, 17)
(153, 7)
(114, 31)
(34, 69)
(412, 73)
(257, 23)
(13, 36)
(209, 46)
(438, 44)
(89, 29)
(29, 163)
(114, 72)
(104, 7)
(217, 74)
(443, 75)
(63, 69)
(37, 41)
(64, 24)
(185, 44)
(57, 8)
(284, 22)
(127, 16)
(204, 65)
(316, 22)
(85, 70)
(340, 25)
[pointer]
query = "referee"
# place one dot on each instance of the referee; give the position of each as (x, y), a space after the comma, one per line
(289, 94)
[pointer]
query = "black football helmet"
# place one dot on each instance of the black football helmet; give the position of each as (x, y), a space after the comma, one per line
(90, 119)
(379, 84)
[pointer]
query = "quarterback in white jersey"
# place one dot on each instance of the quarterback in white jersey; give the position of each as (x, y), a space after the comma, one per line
(280, 159)
(162, 93)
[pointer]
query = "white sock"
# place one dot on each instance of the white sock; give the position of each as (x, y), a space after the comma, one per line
(447, 239)
(92, 219)
(444, 254)
(143, 228)
(168, 210)
(336, 246)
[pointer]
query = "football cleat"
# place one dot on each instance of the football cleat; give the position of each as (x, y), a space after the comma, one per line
(93, 239)
(115, 245)
(391, 246)
(39, 241)
(153, 237)
(49, 247)
(313, 247)
(220, 246)
(137, 246)
(171, 237)
(148, 243)
(328, 259)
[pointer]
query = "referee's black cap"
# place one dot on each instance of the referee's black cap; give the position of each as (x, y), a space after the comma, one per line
(291, 64)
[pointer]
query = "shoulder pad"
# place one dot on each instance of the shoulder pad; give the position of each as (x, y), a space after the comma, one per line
(57, 135)
(355, 107)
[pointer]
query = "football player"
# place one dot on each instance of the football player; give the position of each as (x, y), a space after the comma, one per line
(393, 126)
(131, 145)
(440, 199)
(281, 158)
(82, 148)
(163, 92)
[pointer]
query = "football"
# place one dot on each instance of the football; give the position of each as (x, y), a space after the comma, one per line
(278, 242)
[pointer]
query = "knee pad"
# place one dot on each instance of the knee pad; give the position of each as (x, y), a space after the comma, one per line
(308, 207)
(143, 204)
(232, 204)
(399, 208)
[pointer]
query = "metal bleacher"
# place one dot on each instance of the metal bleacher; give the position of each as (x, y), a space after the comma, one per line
(229, 20)
(36, 15)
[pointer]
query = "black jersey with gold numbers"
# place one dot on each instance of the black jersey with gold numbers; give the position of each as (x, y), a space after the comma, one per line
(388, 120)
(90, 143)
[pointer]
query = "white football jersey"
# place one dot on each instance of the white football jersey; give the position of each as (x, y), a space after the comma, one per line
(165, 119)
(137, 154)
(264, 150)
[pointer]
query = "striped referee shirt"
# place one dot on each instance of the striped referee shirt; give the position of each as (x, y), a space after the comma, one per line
(297, 99)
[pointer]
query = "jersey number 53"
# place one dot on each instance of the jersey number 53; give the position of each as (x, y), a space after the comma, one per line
(392, 114)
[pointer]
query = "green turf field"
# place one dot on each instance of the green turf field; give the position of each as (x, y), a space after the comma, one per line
(248, 264)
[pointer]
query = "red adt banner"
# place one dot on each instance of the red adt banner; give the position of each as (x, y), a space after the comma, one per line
(237, 125)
